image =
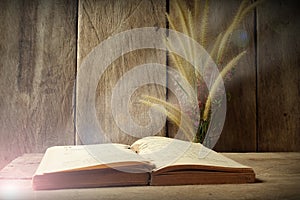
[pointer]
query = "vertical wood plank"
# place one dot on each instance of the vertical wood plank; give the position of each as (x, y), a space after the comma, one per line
(37, 71)
(239, 132)
(99, 20)
(278, 76)
(173, 130)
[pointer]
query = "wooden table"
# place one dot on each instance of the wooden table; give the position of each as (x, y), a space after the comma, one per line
(278, 177)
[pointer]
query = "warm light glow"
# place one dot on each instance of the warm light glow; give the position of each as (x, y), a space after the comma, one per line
(8, 190)
(8, 187)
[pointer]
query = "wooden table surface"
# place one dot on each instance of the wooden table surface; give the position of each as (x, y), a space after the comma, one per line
(278, 177)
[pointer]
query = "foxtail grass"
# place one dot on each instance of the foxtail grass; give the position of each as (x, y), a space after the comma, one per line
(188, 23)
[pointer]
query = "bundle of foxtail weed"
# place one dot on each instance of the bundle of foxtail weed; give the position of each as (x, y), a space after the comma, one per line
(187, 22)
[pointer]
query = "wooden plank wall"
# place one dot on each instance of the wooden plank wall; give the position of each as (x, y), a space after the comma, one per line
(37, 73)
(278, 84)
(97, 21)
(239, 132)
(240, 120)
(44, 42)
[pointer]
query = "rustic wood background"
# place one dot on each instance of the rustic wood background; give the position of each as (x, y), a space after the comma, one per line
(43, 43)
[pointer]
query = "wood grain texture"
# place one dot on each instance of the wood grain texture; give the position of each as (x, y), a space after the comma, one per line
(99, 20)
(23, 167)
(278, 76)
(38, 66)
(37, 71)
(239, 132)
(173, 130)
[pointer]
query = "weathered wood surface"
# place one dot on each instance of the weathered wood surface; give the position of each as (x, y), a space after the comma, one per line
(38, 67)
(278, 76)
(278, 177)
(239, 133)
(37, 72)
(22, 167)
(99, 20)
(176, 21)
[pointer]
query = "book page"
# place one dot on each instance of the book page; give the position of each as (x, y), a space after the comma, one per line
(63, 158)
(200, 155)
(164, 152)
(161, 151)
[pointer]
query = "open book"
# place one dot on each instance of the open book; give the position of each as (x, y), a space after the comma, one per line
(149, 161)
